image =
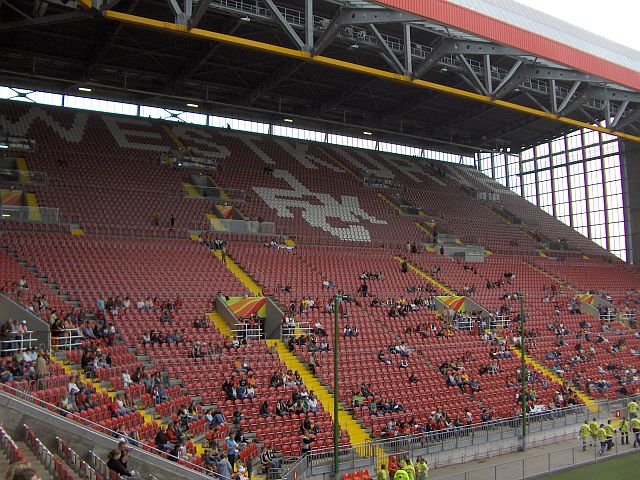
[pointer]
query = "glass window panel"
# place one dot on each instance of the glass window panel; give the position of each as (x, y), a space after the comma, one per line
(612, 174)
(579, 206)
(615, 201)
(612, 161)
(595, 191)
(591, 137)
(610, 147)
(543, 162)
(560, 159)
(594, 165)
(544, 187)
(597, 218)
(613, 188)
(562, 209)
(574, 140)
(591, 152)
(576, 168)
(542, 150)
(557, 145)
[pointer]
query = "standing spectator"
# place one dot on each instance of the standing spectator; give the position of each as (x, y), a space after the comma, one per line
(232, 450)
(224, 468)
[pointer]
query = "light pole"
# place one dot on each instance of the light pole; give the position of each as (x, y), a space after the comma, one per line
(523, 373)
(336, 424)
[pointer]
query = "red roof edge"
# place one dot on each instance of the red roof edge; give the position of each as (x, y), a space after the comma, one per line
(484, 26)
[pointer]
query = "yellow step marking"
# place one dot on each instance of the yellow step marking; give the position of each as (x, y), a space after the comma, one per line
(557, 280)
(223, 194)
(191, 190)
(216, 224)
(77, 231)
(220, 324)
(342, 165)
(423, 228)
(34, 208)
(424, 275)
(588, 401)
(174, 138)
(21, 166)
(357, 434)
(234, 268)
(393, 205)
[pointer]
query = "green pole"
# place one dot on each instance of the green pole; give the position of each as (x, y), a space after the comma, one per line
(336, 424)
(523, 376)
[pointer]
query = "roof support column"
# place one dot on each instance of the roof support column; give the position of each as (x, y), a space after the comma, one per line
(487, 74)
(408, 67)
(282, 21)
(554, 98)
(308, 24)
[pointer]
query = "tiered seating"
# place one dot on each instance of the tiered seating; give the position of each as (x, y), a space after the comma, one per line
(10, 274)
(615, 278)
(104, 172)
(204, 377)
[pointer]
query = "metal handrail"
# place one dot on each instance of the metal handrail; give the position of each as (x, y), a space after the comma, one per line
(84, 423)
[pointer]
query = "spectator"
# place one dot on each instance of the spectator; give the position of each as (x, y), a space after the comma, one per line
(115, 464)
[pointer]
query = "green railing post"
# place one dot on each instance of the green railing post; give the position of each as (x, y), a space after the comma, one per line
(523, 376)
(336, 424)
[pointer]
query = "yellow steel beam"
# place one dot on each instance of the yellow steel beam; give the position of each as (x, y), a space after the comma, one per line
(86, 4)
(353, 67)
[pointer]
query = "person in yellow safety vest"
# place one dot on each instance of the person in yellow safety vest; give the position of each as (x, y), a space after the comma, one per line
(602, 438)
(624, 431)
(422, 469)
(608, 428)
(382, 474)
(585, 434)
(635, 428)
(633, 409)
(408, 467)
(593, 426)
(401, 474)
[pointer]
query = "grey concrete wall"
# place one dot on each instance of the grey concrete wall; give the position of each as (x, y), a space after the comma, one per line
(15, 413)
(225, 312)
(630, 162)
(11, 309)
(273, 322)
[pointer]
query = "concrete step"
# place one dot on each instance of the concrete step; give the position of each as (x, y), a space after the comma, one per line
(33, 460)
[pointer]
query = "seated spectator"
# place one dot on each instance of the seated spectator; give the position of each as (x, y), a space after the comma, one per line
(115, 464)
(382, 358)
(269, 458)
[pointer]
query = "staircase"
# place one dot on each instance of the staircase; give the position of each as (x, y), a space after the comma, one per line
(240, 274)
(588, 401)
(220, 324)
(430, 279)
(357, 434)
(551, 276)
(35, 462)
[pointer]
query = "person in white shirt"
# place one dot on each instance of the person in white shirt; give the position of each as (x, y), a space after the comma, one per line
(126, 379)
(140, 305)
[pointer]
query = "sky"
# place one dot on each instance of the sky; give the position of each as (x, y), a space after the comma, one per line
(616, 20)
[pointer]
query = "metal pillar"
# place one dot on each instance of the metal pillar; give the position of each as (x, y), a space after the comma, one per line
(523, 376)
(336, 424)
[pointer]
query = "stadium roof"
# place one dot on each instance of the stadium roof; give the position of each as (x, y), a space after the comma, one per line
(478, 73)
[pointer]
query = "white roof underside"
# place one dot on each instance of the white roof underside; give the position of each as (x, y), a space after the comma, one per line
(551, 27)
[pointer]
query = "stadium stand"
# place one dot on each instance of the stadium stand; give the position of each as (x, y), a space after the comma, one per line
(138, 288)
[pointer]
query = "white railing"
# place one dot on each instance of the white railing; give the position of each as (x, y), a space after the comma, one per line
(21, 213)
(19, 343)
(66, 339)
